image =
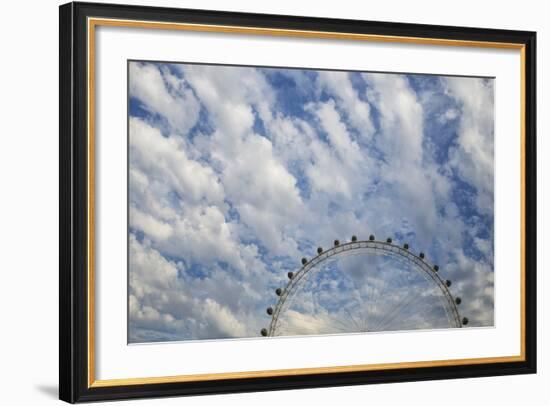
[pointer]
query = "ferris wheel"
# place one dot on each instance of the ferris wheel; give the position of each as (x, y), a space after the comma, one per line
(364, 286)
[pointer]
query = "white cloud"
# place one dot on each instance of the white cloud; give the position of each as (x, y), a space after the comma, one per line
(449, 115)
(347, 150)
(223, 319)
(336, 168)
(401, 117)
(473, 156)
(177, 197)
(474, 282)
(358, 111)
(257, 183)
(164, 298)
(153, 227)
(164, 94)
(231, 95)
(164, 160)
(411, 179)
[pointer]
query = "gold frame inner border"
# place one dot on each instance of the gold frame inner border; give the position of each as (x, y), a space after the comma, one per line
(95, 22)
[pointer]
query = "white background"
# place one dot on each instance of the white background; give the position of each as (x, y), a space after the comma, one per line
(115, 359)
(28, 204)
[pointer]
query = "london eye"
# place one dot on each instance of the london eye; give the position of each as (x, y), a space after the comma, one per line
(364, 286)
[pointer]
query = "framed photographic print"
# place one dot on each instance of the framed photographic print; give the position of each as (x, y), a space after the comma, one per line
(256, 202)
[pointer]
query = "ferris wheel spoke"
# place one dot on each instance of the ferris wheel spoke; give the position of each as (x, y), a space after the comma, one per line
(408, 314)
(381, 318)
(355, 323)
(309, 324)
(344, 327)
(380, 325)
(381, 292)
(370, 293)
(402, 304)
(299, 321)
(416, 306)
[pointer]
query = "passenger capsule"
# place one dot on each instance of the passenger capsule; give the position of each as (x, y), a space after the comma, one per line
(436, 268)
(465, 320)
(319, 250)
(264, 332)
(353, 238)
(421, 255)
(336, 243)
(458, 300)
(278, 291)
(304, 261)
(371, 237)
(269, 311)
(448, 283)
(388, 240)
(290, 275)
(406, 246)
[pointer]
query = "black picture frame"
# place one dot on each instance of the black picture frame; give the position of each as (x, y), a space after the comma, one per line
(74, 199)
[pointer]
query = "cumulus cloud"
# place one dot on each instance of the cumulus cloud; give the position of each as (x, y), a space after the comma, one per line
(164, 94)
(358, 111)
(473, 154)
(162, 300)
(236, 173)
(177, 201)
(163, 159)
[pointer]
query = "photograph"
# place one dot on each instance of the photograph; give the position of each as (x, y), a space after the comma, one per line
(275, 201)
(256, 202)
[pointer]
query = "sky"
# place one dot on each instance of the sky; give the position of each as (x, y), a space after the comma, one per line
(236, 173)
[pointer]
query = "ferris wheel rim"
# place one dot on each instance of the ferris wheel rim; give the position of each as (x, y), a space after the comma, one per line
(372, 245)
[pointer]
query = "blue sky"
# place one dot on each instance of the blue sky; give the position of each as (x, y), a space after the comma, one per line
(235, 173)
